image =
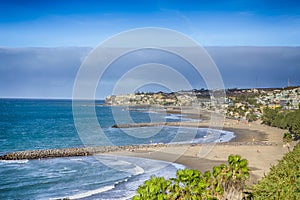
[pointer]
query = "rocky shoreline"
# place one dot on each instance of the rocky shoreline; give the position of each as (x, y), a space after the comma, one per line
(88, 151)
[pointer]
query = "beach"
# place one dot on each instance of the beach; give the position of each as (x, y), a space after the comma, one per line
(261, 145)
(33, 153)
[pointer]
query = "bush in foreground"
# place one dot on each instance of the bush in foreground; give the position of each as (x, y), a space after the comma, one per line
(224, 182)
(283, 181)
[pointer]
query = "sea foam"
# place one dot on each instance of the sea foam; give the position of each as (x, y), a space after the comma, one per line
(87, 193)
(14, 161)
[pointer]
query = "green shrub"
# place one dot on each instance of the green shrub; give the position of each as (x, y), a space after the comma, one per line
(287, 137)
(224, 182)
(283, 181)
(283, 119)
(155, 188)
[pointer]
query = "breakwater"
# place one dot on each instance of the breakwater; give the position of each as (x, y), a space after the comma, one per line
(53, 153)
(70, 152)
(87, 151)
(184, 124)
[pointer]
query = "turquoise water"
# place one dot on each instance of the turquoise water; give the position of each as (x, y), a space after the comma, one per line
(43, 124)
(36, 124)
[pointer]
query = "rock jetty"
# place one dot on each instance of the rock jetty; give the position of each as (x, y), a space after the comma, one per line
(185, 124)
(47, 153)
(87, 151)
(53, 153)
(70, 152)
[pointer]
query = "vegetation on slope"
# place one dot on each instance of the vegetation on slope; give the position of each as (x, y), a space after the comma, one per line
(228, 182)
(283, 119)
(283, 181)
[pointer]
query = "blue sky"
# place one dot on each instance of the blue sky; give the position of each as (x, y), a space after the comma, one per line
(43, 43)
(86, 23)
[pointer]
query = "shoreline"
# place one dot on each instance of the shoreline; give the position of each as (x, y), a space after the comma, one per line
(243, 136)
(261, 145)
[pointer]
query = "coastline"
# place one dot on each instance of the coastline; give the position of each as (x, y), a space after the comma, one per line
(261, 145)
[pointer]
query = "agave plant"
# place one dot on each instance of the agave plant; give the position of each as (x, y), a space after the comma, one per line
(236, 176)
(191, 184)
(238, 168)
(154, 188)
(185, 184)
(224, 182)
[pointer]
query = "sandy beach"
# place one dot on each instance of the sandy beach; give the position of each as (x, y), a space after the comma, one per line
(261, 145)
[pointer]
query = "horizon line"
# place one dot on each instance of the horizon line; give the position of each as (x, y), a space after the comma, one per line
(100, 99)
(79, 46)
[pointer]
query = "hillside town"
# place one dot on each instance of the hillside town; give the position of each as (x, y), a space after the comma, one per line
(244, 104)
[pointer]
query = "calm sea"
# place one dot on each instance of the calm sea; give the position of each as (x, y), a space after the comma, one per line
(43, 124)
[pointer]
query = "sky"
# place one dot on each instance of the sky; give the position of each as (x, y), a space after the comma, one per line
(86, 23)
(43, 43)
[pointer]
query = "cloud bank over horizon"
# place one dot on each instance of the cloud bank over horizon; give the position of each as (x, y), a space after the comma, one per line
(50, 72)
(39, 72)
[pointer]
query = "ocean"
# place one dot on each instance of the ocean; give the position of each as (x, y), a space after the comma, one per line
(27, 124)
